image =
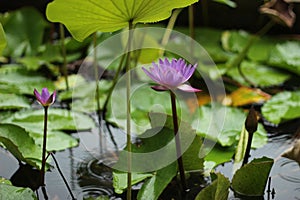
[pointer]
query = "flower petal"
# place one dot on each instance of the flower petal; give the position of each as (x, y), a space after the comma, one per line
(37, 96)
(188, 88)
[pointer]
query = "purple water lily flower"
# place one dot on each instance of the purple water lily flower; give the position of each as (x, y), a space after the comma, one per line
(171, 75)
(45, 99)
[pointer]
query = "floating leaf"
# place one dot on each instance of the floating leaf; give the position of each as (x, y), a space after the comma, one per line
(253, 71)
(234, 40)
(58, 119)
(120, 180)
(30, 25)
(73, 80)
(24, 82)
(154, 186)
(252, 178)
(286, 56)
(86, 17)
(228, 133)
(56, 140)
(10, 192)
(247, 96)
(282, 107)
(218, 190)
(19, 143)
(13, 101)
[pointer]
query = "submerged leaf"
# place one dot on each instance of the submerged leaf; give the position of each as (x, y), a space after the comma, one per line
(282, 107)
(82, 18)
(252, 178)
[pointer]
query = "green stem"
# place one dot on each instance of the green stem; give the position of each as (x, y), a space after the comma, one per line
(236, 62)
(177, 141)
(169, 29)
(64, 54)
(205, 15)
(128, 113)
(97, 96)
(44, 146)
(192, 27)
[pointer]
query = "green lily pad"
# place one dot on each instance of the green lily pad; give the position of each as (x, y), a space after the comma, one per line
(19, 143)
(252, 178)
(155, 185)
(10, 192)
(253, 71)
(285, 56)
(234, 41)
(282, 107)
(58, 119)
(56, 140)
(120, 180)
(30, 25)
(218, 190)
(230, 130)
(13, 101)
(23, 82)
(92, 16)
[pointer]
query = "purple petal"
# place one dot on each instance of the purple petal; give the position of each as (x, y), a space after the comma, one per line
(51, 99)
(37, 96)
(188, 88)
(153, 77)
(45, 95)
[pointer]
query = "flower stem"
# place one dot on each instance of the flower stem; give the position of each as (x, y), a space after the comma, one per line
(192, 27)
(62, 175)
(128, 115)
(177, 141)
(44, 146)
(64, 55)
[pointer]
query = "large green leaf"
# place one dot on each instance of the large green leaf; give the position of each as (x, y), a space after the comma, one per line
(154, 186)
(18, 142)
(253, 71)
(251, 179)
(9, 192)
(282, 107)
(286, 56)
(30, 26)
(2, 39)
(218, 190)
(13, 101)
(83, 18)
(58, 119)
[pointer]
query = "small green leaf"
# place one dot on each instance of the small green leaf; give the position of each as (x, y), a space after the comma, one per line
(252, 178)
(154, 186)
(9, 192)
(120, 180)
(218, 190)
(282, 107)
(190, 158)
(83, 17)
(18, 142)
(13, 101)
(242, 145)
(234, 41)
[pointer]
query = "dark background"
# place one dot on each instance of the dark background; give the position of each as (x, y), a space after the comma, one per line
(245, 16)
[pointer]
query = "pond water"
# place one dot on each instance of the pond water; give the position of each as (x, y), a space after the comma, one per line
(84, 170)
